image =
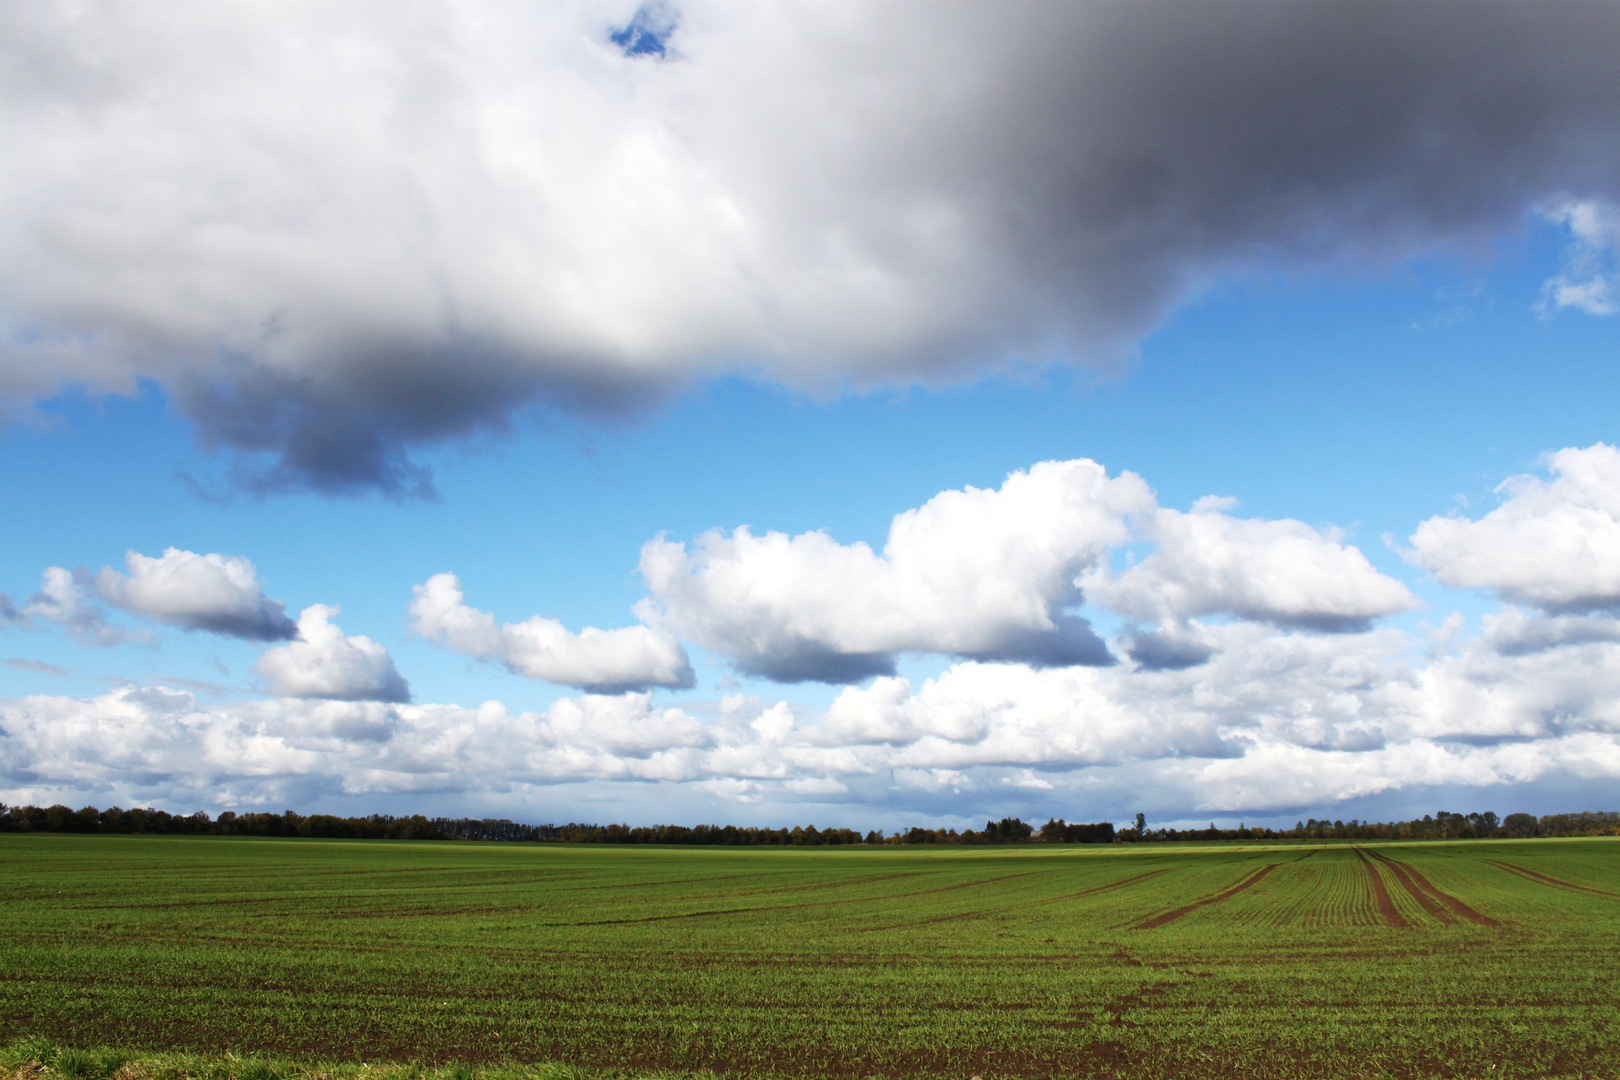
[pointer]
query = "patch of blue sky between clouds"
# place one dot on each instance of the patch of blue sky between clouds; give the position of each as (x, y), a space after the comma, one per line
(648, 32)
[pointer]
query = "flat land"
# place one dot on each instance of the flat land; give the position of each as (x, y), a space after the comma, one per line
(1446, 959)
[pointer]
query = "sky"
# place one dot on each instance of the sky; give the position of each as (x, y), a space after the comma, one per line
(864, 415)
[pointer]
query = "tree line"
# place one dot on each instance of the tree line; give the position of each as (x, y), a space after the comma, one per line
(1008, 830)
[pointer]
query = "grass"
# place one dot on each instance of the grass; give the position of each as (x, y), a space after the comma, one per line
(39, 1059)
(1457, 959)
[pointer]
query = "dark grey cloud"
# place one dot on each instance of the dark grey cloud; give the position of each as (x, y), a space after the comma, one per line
(1156, 650)
(1512, 632)
(800, 662)
(1071, 642)
(785, 659)
(336, 256)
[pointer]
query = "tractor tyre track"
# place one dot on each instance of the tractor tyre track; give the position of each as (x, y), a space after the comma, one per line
(1433, 900)
(1545, 880)
(1171, 916)
(1386, 906)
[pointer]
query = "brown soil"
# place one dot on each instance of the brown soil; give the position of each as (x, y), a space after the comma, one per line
(1172, 916)
(1386, 906)
(1433, 900)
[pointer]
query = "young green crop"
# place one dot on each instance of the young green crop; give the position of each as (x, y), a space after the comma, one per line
(1446, 959)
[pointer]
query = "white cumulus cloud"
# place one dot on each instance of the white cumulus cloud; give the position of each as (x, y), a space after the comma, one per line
(1208, 562)
(323, 663)
(216, 593)
(1554, 544)
(988, 574)
(600, 661)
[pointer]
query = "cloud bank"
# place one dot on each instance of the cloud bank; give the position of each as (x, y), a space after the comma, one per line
(336, 234)
(1276, 721)
(1255, 681)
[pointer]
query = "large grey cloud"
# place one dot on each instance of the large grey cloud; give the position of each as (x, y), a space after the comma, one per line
(337, 233)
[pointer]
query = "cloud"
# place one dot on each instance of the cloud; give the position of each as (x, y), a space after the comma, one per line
(34, 665)
(987, 574)
(216, 593)
(1284, 572)
(1274, 721)
(337, 234)
(62, 599)
(598, 661)
(1590, 281)
(996, 576)
(323, 663)
(1552, 544)
(1168, 648)
(1512, 632)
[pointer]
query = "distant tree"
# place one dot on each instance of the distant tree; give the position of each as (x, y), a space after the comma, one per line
(1519, 825)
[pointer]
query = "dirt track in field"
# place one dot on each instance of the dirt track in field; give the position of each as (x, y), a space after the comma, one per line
(1433, 900)
(1545, 880)
(1386, 906)
(1248, 882)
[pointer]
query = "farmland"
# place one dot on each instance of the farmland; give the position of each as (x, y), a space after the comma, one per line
(1446, 959)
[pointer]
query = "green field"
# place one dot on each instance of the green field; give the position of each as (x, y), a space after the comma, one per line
(1447, 959)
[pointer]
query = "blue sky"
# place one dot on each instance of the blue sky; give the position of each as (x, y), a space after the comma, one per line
(1398, 376)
